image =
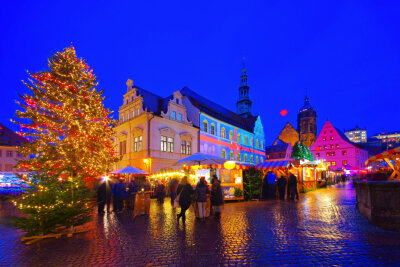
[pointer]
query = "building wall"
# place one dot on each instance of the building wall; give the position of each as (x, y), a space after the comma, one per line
(215, 143)
(336, 151)
(9, 158)
(307, 127)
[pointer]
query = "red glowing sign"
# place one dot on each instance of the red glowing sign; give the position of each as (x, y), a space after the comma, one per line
(283, 112)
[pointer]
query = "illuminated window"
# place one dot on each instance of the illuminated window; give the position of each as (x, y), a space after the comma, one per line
(223, 132)
(344, 152)
(344, 162)
(261, 159)
(137, 143)
(231, 155)
(333, 163)
(231, 135)
(324, 139)
(137, 112)
(174, 115)
(337, 146)
(251, 141)
(205, 126)
(325, 147)
(332, 146)
(223, 154)
(189, 148)
(183, 147)
(262, 145)
(331, 138)
(238, 138)
(256, 143)
(333, 153)
(212, 128)
(170, 147)
(239, 157)
(257, 160)
(317, 155)
(328, 163)
(245, 157)
(133, 113)
(245, 139)
(163, 143)
(251, 159)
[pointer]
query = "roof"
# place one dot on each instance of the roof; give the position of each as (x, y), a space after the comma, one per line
(307, 106)
(280, 164)
(9, 138)
(219, 112)
(153, 102)
(279, 147)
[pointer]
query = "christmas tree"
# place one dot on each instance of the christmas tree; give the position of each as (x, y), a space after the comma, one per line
(301, 151)
(69, 139)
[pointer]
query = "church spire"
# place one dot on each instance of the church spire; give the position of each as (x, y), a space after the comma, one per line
(244, 103)
(243, 77)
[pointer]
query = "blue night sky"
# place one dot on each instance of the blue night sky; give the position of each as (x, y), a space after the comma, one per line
(346, 53)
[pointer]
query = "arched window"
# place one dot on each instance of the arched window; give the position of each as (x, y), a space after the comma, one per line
(261, 159)
(262, 145)
(251, 141)
(238, 138)
(212, 128)
(251, 159)
(205, 126)
(239, 157)
(231, 155)
(223, 133)
(257, 160)
(231, 135)
(245, 139)
(256, 143)
(223, 154)
(245, 157)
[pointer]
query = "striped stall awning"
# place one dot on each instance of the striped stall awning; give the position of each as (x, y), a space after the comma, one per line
(383, 155)
(280, 164)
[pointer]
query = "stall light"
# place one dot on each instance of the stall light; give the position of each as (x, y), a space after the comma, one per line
(105, 178)
(229, 165)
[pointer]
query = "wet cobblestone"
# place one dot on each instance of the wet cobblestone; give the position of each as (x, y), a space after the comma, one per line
(323, 228)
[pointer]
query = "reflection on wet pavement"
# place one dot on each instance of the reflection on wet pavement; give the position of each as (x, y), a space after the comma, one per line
(323, 228)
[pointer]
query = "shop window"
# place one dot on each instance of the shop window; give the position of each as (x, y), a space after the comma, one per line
(223, 132)
(223, 154)
(163, 143)
(205, 126)
(174, 115)
(231, 155)
(212, 128)
(231, 135)
(170, 144)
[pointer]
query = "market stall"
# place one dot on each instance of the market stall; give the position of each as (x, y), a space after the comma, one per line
(392, 158)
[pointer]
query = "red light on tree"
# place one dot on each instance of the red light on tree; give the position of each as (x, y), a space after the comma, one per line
(283, 112)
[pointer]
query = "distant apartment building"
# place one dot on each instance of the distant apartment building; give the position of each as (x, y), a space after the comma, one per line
(357, 135)
(9, 142)
(389, 140)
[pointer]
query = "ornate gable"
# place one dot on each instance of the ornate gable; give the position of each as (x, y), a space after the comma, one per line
(176, 111)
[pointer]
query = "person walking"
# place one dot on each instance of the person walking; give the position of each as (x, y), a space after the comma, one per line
(293, 187)
(132, 191)
(217, 198)
(282, 186)
(185, 192)
(202, 191)
(119, 193)
(271, 185)
(160, 192)
(173, 186)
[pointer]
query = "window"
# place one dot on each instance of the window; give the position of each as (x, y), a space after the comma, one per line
(137, 144)
(324, 132)
(261, 159)
(170, 147)
(183, 147)
(257, 160)
(163, 143)
(245, 139)
(256, 143)
(239, 140)
(262, 145)
(344, 162)
(344, 152)
(333, 153)
(174, 115)
(205, 126)
(328, 154)
(251, 142)
(324, 139)
(223, 154)
(133, 113)
(317, 155)
(137, 112)
(331, 131)
(177, 100)
(122, 118)
(239, 157)
(122, 147)
(251, 159)
(127, 116)
(180, 116)
(231, 135)
(245, 157)
(212, 128)
(331, 137)
(223, 132)
(337, 146)
(8, 168)
(332, 146)
(189, 148)
(333, 163)
(325, 147)
(231, 155)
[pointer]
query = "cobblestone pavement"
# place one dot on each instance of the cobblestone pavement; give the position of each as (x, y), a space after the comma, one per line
(323, 228)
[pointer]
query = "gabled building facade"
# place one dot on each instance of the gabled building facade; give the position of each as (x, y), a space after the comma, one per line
(337, 150)
(9, 143)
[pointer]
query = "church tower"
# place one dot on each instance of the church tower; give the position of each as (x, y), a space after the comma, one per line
(244, 102)
(307, 123)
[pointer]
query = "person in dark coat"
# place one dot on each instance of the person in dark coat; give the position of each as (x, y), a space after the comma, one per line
(173, 186)
(217, 198)
(293, 187)
(132, 191)
(271, 185)
(160, 192)
(202, 191)
(282, 186)
(103, 196)
(119, 193)
(185, 192)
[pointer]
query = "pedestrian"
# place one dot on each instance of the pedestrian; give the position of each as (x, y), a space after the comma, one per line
(160, 192)
(132, 191)
(217, 198)
(293, 187)
(120, 194)
(101, 196)
(282, 186)
(173, 186)
(202, 191)
(271, 185)
(185, 192)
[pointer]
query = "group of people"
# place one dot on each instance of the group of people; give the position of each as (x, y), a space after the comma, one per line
(284, 184)
(118, 191)
(185, 195)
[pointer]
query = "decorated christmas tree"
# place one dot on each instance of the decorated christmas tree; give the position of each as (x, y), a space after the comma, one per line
(69, 139)
(301, 151)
